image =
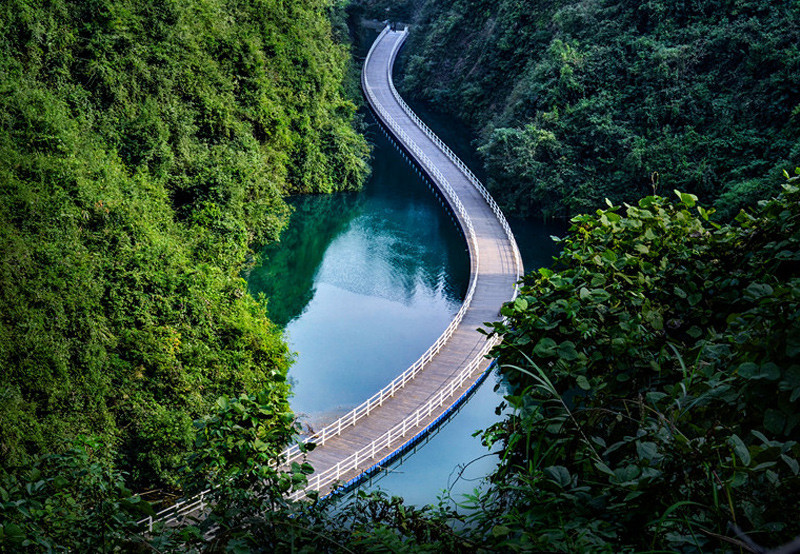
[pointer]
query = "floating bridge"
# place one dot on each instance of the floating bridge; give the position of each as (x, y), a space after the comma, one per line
(399, 415)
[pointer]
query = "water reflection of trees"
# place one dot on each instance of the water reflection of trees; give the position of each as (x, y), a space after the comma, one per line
(398, 251)
(396, 238)
(287, 269)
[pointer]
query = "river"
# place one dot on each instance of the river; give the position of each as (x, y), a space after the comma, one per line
(363, 283)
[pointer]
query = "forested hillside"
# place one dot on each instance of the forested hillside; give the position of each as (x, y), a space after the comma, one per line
(577, 101)
(656, 372)
(653, 370)
(144, 147)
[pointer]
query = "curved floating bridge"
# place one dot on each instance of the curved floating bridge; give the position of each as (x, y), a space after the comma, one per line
(400, 414)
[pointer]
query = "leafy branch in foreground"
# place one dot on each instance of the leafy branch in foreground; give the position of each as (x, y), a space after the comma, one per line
(74, 500)
(656, 372)
(655, 377)
(78, 502)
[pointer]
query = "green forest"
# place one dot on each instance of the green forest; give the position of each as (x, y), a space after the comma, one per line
(146, 147)
(146, 154)
(575, 102)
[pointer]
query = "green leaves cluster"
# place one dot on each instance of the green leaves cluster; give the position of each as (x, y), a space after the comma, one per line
(657, 379)
(144, 148)
(243, 438)
(78, 502)
(238, 457)
(580, 101)
(71, 500)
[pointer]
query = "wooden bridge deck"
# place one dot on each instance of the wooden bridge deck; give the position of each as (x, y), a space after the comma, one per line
(495, 268)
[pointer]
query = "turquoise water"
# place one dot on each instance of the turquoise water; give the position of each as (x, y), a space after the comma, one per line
(364, 283)
(454, 462)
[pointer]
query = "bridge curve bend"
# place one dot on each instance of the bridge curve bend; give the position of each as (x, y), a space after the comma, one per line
(400, 414)
(418, 399)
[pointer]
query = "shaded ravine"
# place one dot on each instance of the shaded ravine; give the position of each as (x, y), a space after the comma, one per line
(508, 256)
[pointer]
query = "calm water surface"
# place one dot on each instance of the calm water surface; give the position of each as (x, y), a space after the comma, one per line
(364, 283)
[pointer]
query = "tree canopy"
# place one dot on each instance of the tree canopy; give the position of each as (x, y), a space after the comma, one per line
(656, 375)
(576, 102)
(146, 146)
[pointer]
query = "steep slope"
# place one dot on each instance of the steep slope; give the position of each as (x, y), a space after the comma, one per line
(144, 147)
(581, 100)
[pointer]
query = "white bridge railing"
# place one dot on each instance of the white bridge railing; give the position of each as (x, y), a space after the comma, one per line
(453, 157)
(363, 410)
(196, 504)
(395, 437)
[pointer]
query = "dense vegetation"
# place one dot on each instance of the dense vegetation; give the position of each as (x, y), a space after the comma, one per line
(655, 368)
(656, 380)
(657, 377)
(580, 101)
(145, 146)
(76, 501)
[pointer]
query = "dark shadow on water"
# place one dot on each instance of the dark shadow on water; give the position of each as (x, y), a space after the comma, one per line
(287, 269)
